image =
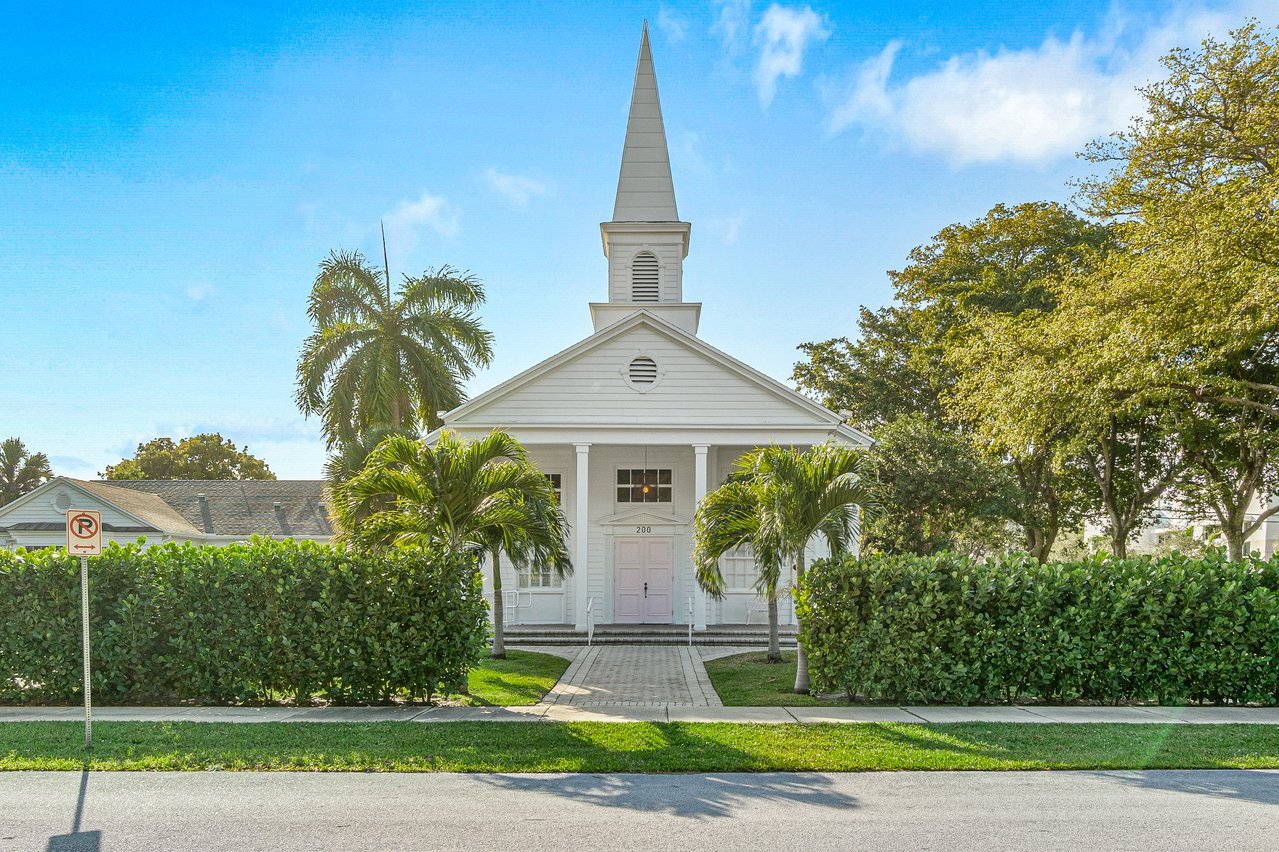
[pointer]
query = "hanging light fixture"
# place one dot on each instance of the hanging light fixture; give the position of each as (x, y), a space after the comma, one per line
(645, 489)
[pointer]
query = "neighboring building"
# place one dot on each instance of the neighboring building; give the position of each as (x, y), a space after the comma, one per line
(1171, 519)
(198, 511)
(636, 422)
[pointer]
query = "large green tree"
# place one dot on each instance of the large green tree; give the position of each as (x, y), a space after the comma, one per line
(946, 493)
(793, 497)
(20, 470)
(205, 456)
(905, 363)
(1159, 357)
(483, 496)
(383, 358)
(1192, 188)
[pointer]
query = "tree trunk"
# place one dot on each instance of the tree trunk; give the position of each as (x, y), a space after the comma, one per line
(1039, 542)
(499, 639)
(1236, 544)
(801, 658)
(1118, 542)
(774, 643)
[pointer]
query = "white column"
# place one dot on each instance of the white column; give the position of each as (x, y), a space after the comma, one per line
(580, 534)
(699, 491)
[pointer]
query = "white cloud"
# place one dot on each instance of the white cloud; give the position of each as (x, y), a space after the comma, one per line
(783, 34)
(404, 225)
(731, 24)
(199, 291)
(672, 23)
(1031, 105)
(517, 189)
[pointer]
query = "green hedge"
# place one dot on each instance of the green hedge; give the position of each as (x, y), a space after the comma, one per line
(945, 629)
(260, 621)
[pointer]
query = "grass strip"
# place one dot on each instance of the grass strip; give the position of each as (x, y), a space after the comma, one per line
(749, 680)
(519, 680)
(632, 747)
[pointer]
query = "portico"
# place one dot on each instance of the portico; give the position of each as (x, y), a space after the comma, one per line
(635, 423)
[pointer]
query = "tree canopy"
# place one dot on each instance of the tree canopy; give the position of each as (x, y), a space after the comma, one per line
(383, 359)
(20, 470)
(1101, 363)
(205, 456)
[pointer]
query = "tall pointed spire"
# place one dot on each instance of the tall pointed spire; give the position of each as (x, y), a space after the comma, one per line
(645, 191)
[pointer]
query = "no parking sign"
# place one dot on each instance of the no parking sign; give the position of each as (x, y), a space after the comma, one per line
(84, 539)
(84, 532)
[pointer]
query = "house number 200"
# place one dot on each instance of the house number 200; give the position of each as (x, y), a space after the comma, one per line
(643, 529)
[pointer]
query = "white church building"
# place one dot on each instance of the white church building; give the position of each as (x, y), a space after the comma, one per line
(636, 422)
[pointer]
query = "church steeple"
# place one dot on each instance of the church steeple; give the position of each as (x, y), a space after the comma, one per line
(645, 191)
(645, 242)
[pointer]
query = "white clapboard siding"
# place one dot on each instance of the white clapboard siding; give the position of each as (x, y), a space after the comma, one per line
(592, 388)
(41, 508)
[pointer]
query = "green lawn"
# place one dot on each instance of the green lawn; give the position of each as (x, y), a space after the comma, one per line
(522, 678)
(631, 747)
(749, 680)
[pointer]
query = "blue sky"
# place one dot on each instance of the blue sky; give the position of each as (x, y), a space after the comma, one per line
(171, 175)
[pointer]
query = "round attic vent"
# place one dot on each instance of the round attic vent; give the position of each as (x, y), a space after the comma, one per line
(642, 371)
(62, 502)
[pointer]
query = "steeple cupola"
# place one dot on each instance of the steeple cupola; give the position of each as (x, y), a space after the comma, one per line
(645, 242)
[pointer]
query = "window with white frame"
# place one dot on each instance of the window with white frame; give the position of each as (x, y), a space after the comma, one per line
(538, 578)
(645, 485)
(738, 568)
(543, 578)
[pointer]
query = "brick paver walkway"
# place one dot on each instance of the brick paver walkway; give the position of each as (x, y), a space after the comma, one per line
(635, 676)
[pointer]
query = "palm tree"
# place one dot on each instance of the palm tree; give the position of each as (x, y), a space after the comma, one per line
(730, 517)
(378, 358)
(795, 496)
(481, 496)
(20, 471)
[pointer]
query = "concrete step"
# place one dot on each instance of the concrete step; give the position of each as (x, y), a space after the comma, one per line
(640, 634)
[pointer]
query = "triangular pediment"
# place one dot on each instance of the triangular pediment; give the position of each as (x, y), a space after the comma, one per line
(591, 383)
(642, 517)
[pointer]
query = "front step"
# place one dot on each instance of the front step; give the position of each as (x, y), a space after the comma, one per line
(646, 634)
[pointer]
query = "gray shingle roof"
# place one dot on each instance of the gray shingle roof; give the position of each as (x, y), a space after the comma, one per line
(148, 507)
(285, 507)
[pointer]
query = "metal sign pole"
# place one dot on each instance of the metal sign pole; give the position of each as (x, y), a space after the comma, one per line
(88, 689)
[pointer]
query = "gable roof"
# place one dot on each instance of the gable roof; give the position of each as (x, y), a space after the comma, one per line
(645, 318)
(198, 508)
(242, 506)
(149, 512)
(149, 508)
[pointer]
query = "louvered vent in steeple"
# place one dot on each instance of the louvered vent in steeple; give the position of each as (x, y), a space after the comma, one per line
(645, 283)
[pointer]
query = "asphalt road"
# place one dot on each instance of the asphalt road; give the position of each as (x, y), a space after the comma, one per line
(811, 811)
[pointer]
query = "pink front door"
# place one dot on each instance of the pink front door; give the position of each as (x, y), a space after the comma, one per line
(643, 579)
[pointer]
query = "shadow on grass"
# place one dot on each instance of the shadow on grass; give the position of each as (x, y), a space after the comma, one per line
(515, 693)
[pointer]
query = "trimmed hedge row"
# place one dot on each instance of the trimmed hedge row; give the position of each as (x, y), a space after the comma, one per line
(945, 629)
(260, 621)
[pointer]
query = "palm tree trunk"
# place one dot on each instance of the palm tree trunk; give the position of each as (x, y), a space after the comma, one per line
(499, 639)
(801, 658)
(774, 643)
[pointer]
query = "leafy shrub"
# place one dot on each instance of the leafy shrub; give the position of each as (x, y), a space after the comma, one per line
(946, 629)
(250, 622)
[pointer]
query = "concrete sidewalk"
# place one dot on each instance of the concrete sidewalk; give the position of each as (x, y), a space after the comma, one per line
(658, 713)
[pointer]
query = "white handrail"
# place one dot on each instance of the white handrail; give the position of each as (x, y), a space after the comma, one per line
(511, 603)
(590, 621)
(690, 621)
